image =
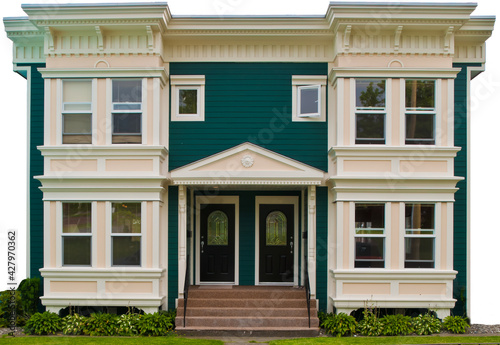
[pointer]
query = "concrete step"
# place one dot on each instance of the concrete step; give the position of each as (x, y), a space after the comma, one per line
(256, 312)
(243, 303)
(288, 332)
(246, 322)
(247, 293)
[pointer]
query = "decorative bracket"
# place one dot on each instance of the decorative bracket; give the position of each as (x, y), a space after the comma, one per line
(100, 40)
(50, 39)
(447, 38)
(397, 37)
(347, 37)
(149, 32)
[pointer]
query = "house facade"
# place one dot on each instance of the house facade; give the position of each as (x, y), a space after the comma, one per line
(329, 151)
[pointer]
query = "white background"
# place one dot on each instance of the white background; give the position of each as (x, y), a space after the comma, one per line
(485, 128)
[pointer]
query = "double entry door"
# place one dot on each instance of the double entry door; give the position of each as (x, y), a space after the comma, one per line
(275, 243)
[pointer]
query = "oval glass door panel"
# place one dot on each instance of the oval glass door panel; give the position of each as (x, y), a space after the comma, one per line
(276, 229)
(217, 229)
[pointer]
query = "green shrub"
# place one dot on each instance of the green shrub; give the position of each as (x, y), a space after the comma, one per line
(127, 324)
(74, 324)
(30, 295)
(99, 324)
(171, 314)
(370, 325)
(43, 323)
(322, 316)
(396, 325)
(9, 298)
(156, 324)
(426, 324)
(456, 324)
(339, 325)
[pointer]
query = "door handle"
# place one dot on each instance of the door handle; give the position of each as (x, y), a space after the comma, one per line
(202, 244)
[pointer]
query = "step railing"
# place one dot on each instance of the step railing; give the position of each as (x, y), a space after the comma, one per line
(187, 282)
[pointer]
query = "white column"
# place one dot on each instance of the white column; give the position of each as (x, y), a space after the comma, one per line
(182, 239)
(311, 238)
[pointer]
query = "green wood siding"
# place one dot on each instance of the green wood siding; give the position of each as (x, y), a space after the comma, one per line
(173, 233)
(321, 246)
(35, 168)
(248, 102)
(460, 292)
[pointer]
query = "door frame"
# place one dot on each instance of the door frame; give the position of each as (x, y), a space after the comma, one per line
(220, 199)
(278, 200)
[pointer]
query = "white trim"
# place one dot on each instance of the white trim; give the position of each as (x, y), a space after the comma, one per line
(438, 97)
(402, 110)
(311, 239)
(278, 200)
(388, 111)
(187, 82)
(352, 234)
(109, 105)
(352, 112)
(108, 234)
(402, 233)
(389, 72)
(94, 111)
(27, 69)
(144, 231)
(144, 112)
(388, 235)
(123, 72)
(93, 233)
(219, 199)
(59, 124)
(340, 233)
(156, 111)
(449, 233)
(46, 234)
(156, 234)
(57, 227)
(46, 107)
(340, 112)
(451, 114)
(438, 235)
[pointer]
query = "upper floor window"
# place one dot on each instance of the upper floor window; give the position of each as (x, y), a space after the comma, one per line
(370, 235)
(77, 112)
(126, 234)
(420, 112)
(127, 111)
(76, 234)
(370, 111)
(188, 97)
(308, 98)
(419, 235)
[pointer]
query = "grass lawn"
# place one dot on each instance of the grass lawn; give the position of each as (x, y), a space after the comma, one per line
(390, 340)
(106, 340)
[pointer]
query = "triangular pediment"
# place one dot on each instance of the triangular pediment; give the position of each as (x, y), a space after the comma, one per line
(247, 164)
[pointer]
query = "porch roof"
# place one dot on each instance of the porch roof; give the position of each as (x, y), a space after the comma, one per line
(247, 164)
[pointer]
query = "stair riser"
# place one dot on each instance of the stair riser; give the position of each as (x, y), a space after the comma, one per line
(241, 303)
(239, 294)
(256, 322)
(247, 312)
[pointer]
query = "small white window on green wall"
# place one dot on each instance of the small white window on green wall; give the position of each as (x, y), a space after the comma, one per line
(77, 112)
(308, 98)
(188, 97)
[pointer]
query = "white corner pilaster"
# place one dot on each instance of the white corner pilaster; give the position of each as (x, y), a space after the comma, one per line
(182, 250)
(311, 238)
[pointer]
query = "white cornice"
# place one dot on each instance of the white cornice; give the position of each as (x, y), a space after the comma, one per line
(102, 150)
(396, 151)
(392, 72)
(105, 72)
(83, 272)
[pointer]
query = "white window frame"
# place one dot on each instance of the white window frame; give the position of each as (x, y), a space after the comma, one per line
(88, 112)
(421, 111)
(383, 235)
(301, 82)
(187, 82)
(114, 110)
(128, 234)
(433, 235)
(85, 234)
(371, 110)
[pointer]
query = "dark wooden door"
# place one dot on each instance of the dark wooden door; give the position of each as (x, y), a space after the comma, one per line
(276, 243)
(217, 243)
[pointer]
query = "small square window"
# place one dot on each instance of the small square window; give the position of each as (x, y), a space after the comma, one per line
(309, 101)
(188, 97)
